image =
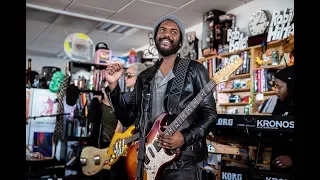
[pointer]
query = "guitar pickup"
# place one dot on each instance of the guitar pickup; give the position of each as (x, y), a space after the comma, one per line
(151, 152)
(96, 160)
(156, 145)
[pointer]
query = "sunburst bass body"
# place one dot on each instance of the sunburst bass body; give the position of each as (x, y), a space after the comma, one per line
(94, 159)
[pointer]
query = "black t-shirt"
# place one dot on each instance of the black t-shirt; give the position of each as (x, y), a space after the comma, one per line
(282, 108)
(283, 146)
(109, 124)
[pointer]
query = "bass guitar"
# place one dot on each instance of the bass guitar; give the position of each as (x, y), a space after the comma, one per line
(93, 159)
(156, 157)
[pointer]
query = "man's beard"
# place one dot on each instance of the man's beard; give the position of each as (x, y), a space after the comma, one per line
(167, 52)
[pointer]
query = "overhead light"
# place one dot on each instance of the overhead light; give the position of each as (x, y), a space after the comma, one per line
(104, 26)
(130, 31)
(113, 27)
(121, 29)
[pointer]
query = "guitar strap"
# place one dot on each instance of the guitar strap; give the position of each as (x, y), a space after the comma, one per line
(58, 130)
(177, 84)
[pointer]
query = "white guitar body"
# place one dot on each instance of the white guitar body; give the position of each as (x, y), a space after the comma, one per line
(156, 160)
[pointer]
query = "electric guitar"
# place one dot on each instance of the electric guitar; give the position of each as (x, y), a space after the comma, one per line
(93, 159)
(156, 157)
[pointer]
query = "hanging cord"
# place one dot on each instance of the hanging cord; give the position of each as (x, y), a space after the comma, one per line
(152, 50)
(264, 44)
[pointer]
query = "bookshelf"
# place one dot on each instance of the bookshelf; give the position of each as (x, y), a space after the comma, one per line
(245, 84)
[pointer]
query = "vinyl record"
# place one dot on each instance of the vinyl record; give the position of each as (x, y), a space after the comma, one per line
(79, 46)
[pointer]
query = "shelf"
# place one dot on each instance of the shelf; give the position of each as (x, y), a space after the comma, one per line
(235, 90)
(272, 44)
(244, 162)
(207, 58)
(234, 104)
(240, 76)
(266, 93)
(87, 65)
(91, 91)
(233, 160)
(262, 114)
(255, 51)
(223, 55)
(282, 66)
(73, 138)
(234, 52)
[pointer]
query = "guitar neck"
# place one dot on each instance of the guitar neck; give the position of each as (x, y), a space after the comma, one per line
(131, 138)
(190, 108)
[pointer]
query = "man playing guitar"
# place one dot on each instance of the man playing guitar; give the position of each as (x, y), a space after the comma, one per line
(169, 35)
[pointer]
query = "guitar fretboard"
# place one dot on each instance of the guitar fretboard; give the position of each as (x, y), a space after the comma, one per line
(190, 108)
(131, 138)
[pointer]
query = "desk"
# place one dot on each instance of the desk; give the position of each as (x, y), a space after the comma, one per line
(37, 168)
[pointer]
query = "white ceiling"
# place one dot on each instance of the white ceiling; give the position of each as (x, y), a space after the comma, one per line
(46, 29)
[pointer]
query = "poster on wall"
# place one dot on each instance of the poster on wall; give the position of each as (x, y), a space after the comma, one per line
(41, 128)
(43, 143)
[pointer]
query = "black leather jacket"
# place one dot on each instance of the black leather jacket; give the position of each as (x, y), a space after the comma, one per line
(195, 128)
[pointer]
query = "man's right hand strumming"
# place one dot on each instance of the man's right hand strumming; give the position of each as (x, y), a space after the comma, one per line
(113, 74)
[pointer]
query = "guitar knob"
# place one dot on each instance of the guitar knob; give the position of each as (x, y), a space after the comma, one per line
(111, 160)
(113, 156)
(83, 161)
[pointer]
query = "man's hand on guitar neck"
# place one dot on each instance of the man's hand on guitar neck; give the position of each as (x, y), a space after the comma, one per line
(171, 142)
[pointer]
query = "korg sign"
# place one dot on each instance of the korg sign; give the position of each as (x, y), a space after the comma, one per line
(224, 122)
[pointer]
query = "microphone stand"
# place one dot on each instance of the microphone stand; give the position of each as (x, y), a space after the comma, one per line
(146, 96)
(52, 115)
(82, 120)
(142, 139)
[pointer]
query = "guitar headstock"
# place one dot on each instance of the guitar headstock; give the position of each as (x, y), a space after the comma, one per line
(225, 72)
